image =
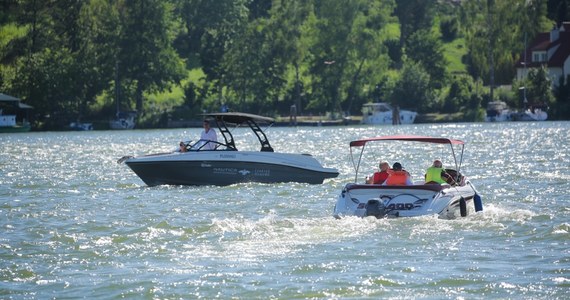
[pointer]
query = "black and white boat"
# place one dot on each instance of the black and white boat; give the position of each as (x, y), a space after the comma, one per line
(225, 165)
(448, 200)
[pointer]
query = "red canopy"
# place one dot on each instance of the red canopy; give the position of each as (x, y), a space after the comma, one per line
(411, 138)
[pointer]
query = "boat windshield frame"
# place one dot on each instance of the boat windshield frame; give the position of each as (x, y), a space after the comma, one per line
(407, 138)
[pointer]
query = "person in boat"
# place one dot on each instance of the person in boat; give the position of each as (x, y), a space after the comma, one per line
(208, 136)
(434, 173)
(398, 176)
(183, 147)
(380, 176)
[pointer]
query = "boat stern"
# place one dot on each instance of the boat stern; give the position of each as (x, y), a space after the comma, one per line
(363, 200)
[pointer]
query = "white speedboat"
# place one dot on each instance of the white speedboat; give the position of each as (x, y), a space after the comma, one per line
(381, 113)
(498, 111)
(226, 165)
(80, 126)
(531, 114)
(448, 200)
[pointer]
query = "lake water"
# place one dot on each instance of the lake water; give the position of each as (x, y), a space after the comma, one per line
(76, 224)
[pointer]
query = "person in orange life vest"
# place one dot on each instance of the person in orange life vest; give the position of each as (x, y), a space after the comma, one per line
(399, 176)
(380, 176)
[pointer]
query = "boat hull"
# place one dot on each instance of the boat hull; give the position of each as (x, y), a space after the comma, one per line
(406, 117)
(530, 116)
(122, 124)
(498, 111)
(380, 201)
(228, 167)
(381, 113)
(503, 116)
(15, 128)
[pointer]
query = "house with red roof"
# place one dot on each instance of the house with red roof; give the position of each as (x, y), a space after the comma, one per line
(551, 49)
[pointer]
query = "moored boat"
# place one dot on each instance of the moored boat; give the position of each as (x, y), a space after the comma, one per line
(381, 113)
(534, 113)
(453, 198)
(225, 165)
(124, 120)
(80, 126)
(498, 111)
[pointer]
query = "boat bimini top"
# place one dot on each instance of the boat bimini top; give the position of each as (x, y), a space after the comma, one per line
(411, 138)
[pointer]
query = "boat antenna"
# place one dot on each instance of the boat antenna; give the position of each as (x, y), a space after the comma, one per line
(269, 126)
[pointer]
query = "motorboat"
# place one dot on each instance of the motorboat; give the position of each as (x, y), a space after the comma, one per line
(381, 113)
(454, 198)
(80, 126)
(531, 114)
(225, 165)
(498, 111)
(123, 120)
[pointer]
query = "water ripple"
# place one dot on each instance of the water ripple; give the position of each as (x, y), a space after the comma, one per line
(76, 224)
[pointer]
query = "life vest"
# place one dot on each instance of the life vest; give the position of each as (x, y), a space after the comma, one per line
(380, 177)
(397, 178)
(434, 174)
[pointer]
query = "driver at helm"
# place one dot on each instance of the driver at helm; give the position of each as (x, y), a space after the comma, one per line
(433, 173)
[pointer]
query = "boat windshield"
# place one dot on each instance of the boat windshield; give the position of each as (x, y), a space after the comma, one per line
(371, 108)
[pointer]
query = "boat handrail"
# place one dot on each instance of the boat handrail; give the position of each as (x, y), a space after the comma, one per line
(364, 186)
(201, 143)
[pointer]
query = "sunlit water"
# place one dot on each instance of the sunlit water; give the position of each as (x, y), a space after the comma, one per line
(76, 224)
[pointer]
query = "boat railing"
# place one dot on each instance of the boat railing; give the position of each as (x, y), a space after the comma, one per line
(365, 186)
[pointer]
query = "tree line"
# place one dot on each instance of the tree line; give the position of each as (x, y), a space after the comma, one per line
(73, 58)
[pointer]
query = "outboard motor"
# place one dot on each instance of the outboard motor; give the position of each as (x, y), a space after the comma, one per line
(375, 207)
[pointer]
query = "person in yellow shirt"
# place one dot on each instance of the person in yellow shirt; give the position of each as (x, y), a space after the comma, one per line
(433, 173)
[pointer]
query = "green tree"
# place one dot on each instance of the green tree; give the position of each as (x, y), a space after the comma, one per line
(46, 75)
(96, 56)
(425, 48)
(348, 39)
(147, 60)
(460, 94)
(288, 26)
(561, 109)
(558, 10)
(413, 16)
(539, 90)
(413, 89)
(495, 33)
